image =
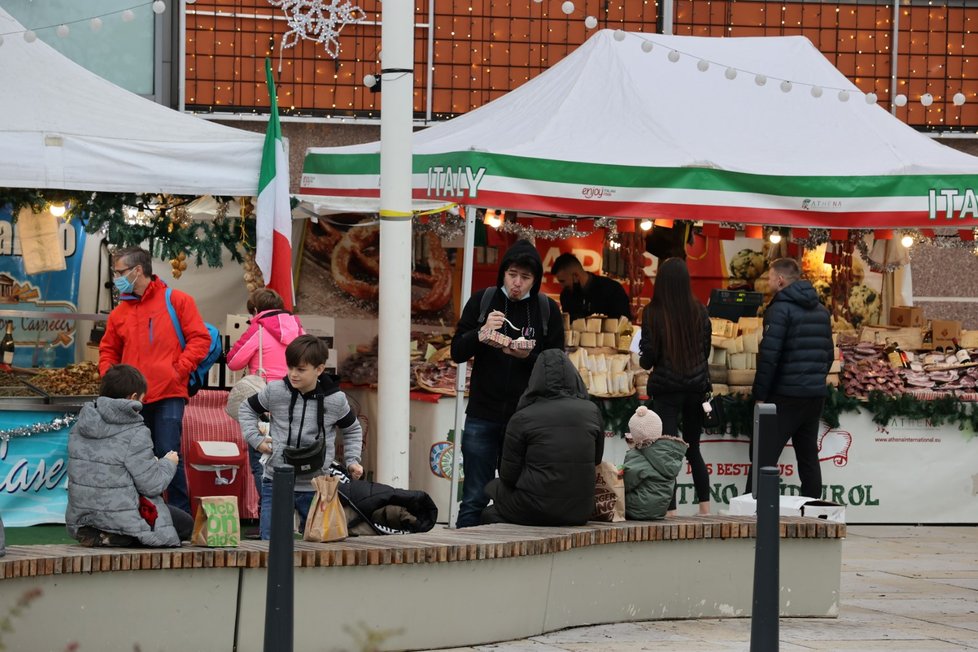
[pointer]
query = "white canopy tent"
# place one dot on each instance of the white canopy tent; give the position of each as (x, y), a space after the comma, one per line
(629, 125)
(756, 130)
(64, 127)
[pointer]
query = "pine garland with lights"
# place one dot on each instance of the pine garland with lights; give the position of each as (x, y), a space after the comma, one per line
(561, 233)
(737, 418)
(615, 412)
(169, 234)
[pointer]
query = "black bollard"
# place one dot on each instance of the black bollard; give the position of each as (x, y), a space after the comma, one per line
(279, 594)
(764, 611)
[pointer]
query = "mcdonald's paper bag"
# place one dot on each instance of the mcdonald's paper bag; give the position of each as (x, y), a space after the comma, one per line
(217, 524)
(610, 480)
(326, 520)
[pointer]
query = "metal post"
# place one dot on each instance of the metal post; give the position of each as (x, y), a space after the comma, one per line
(894, 58)
(764, 610)
(765, 427)
(394, 308)
(279, 593)
(453, 500)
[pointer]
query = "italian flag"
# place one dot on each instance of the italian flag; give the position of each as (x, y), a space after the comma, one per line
(274, 212)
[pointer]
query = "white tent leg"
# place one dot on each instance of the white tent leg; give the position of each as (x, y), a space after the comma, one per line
(394, 350)
(469, 252)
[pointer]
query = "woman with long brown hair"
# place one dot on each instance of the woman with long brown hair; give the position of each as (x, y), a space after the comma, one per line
(675, 345)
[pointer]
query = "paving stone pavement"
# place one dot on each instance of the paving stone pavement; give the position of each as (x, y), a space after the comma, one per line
(903, 588)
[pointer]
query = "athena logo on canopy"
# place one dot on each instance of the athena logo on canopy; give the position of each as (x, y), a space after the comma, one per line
(951, 203)
(821, 204)
(454, 182)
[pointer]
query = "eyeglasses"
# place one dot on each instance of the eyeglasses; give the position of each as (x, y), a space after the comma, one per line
(120, 272)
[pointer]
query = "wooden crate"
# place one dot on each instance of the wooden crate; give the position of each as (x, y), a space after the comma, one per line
(968, 339)
(910, 339)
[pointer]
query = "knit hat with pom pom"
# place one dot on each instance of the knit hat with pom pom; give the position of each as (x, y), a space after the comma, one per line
(645, 427)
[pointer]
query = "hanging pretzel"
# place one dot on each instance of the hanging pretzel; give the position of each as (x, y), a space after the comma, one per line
(358, 249)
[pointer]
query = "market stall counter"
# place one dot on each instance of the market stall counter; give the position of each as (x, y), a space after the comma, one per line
(37, 411)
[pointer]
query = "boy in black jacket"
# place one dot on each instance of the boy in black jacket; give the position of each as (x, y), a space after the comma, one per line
(500, 371)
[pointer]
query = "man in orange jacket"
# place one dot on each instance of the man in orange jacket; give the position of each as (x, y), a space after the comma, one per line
(141, 333)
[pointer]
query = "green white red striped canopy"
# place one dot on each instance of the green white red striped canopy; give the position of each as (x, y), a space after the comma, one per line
(619, 129)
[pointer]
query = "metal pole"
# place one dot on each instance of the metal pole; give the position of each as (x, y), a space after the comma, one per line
(894, 50)
(279, 593)
(765, 427)
(394, 314)
(460, 379)
(668, 11)
(764, 611)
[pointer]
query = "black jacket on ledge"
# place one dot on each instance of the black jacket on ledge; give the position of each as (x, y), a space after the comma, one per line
(552, 444)
(665, 378)
(796, 349)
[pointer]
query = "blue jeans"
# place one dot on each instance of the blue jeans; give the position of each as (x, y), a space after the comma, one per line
(482, 443)
(164, 418)
(301, 499)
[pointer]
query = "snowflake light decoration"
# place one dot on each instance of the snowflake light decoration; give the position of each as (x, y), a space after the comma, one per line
(318, 20)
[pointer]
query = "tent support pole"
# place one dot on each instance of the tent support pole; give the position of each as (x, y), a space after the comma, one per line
(394, 347)
(894, 46)
(668, 11)
(469, 252)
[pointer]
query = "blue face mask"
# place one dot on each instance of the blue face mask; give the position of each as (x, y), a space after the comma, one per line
(123, 284)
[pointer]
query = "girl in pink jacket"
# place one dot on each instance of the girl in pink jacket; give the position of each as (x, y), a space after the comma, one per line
(274, 328)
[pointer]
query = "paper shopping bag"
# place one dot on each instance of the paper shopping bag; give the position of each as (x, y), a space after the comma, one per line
(608, 473)
(217, 524)
(604, 499)
(326, 520)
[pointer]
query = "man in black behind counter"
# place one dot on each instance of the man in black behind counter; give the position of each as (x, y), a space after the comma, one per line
(585, 293)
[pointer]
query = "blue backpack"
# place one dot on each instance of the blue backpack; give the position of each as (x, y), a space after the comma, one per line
(198, 377)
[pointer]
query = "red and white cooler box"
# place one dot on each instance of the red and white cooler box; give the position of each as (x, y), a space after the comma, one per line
(216, 468)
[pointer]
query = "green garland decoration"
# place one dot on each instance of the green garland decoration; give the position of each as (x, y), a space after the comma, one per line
(615, 412)
(738, 411)
(947, 409)
(168, 235)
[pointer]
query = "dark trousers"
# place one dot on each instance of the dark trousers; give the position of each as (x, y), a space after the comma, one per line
(685, 408)
(164, 418)
(183, 522)
(482, 443)
(798, 421)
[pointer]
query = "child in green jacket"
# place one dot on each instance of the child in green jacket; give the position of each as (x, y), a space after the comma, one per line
(651, 465)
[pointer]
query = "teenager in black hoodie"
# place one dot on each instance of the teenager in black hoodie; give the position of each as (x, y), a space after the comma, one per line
(500, 374)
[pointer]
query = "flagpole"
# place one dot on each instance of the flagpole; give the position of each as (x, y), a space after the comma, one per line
(393, 387)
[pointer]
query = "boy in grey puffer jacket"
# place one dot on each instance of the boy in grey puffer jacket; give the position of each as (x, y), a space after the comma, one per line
(111, 465)
(302, 407)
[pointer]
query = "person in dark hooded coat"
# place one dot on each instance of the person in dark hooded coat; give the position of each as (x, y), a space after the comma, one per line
(795, 355)
(553, 442)
(500, 373)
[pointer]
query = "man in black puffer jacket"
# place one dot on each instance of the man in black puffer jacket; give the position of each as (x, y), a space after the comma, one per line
(795, 355)
(553, 443)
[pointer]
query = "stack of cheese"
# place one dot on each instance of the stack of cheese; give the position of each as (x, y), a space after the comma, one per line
(735, 347)
(604, 374)
(598, 332)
